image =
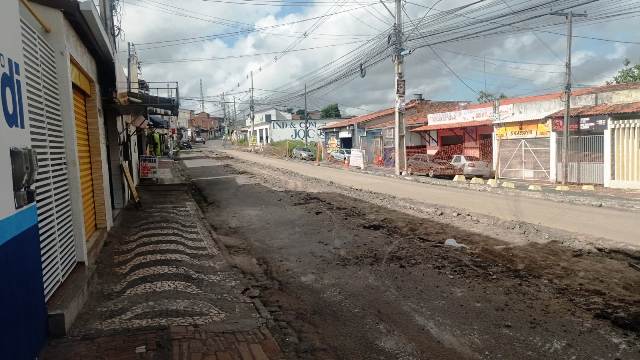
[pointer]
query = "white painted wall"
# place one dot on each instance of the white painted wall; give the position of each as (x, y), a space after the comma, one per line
(295, 129)
(10, 48)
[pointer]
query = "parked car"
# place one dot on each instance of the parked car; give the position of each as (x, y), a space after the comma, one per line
(424, 164)
(302, 153)
(341, 154)
(472, 165)
(200, 140)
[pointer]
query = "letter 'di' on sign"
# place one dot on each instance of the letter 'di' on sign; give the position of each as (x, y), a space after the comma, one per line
(11, 94)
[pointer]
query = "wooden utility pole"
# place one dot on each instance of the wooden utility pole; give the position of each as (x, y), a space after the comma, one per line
(306, 118)
(251, 112)
(399, 129)
(129, 67)
(201, 97)
(567, 93)
(235, 116)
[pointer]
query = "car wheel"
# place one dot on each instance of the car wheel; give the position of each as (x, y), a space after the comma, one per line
(431, 173)
(409, 171)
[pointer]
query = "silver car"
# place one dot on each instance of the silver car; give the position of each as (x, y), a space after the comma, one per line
(302, 154)
(341, 154)
(472, 166)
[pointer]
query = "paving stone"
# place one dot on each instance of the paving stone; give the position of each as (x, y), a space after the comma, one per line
(159, 294)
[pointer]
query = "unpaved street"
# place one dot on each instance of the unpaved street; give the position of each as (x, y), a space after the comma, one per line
(349, 274)
(620, 227)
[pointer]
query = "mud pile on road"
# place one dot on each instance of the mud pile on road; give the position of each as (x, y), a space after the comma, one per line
(568, 266)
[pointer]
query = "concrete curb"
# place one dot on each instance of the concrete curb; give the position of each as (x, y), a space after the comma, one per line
(577, 196)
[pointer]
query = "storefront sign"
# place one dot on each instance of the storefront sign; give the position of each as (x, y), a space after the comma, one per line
(344, 134)
(357, 158)
(298, 130)
(522, 131)
(468, 115)
(588, 124)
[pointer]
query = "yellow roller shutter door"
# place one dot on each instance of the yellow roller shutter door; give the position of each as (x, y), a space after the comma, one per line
(84, 158)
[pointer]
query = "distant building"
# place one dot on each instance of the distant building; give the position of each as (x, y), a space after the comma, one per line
(202, 121)
(183, 118)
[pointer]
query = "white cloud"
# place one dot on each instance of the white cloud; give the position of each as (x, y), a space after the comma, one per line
(593, 61)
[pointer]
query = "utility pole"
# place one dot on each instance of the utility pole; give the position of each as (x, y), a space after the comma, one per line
(129, 67)
(306, 118)
(399, 130)
(201, 97)
(567, 93)
(235, 117)
(252, 114)
(224, 111)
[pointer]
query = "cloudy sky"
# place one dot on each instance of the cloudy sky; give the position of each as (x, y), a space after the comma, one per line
(213, 44)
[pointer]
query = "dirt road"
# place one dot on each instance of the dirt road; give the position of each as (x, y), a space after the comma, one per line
(618, 226)
(347, 278)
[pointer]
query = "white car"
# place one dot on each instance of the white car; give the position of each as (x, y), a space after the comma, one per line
(472, 165)
(341, 154)
(200, 139)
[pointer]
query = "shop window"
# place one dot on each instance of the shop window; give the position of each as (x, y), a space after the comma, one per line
(452, 140)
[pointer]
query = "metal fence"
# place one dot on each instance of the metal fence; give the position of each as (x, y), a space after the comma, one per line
(585, 159)
(524, 159)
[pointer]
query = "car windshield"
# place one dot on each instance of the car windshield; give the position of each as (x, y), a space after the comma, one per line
(347, 151)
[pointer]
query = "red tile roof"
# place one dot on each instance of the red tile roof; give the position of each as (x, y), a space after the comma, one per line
(574, 92)
(454, 125)
(602, 109)
(430, 108)
(359, 119)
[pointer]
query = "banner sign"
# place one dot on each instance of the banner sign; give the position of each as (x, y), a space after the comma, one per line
(589, 124)
(523, 131)
(468, 115)
(357, 158)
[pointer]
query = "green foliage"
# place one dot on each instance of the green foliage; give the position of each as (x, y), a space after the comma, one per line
(242, 142)
(485, 97)
(628, 74)
(289, 110)
(300, 112)
(281, 146)
(331, 111)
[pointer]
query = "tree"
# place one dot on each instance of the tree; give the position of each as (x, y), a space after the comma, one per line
(331, 111)
(289, 110)
(300, 112)
(628, 74)
(485, 97)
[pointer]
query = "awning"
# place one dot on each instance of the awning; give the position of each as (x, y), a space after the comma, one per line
(140, 122)
(158, 122)
(454, 125)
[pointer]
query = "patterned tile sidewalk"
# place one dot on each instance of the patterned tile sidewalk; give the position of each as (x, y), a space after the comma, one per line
(163, 290)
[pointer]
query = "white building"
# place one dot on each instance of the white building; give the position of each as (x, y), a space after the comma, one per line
(274, 125)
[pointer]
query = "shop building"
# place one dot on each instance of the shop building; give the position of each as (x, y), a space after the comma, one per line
(466, 131)
(374, 132)
(23, 312)
(604, 144)
(274, 125)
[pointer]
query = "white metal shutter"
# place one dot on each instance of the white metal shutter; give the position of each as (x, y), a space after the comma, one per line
(57, 245)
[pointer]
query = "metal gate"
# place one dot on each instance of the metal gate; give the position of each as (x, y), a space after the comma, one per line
(585, 159)
(83, 144)
(526, 159)
(57, 245)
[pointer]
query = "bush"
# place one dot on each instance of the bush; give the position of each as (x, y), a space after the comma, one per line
(280, 147)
